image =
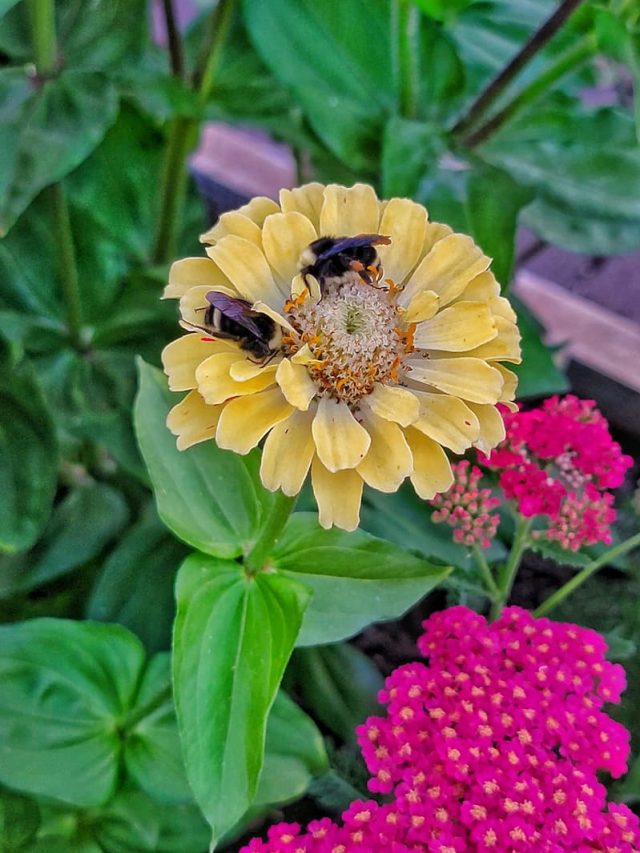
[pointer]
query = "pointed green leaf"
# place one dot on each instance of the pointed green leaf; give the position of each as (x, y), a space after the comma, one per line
(210, 498)
(233, 637)
(356, 579)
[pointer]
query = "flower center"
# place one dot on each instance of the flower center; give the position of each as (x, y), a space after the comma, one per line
(356, 335)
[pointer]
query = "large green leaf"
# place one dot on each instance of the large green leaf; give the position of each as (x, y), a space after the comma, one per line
(135, 586)
(585, 169)
(339, 684)
(66, 688)
(356, 579)
(343, 82)
(210, 498)
(494, 201)
(47, 130)
(233, 636)
(80, 527)
(28, 459)
(538, 374)
(410, 150)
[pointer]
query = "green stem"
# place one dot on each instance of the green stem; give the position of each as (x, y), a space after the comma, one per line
(274, 524)
(67, 265)
(43, 35)
(518, 547)
(487, 576)
(405, 23)
(566, 62)
(492, 92)
(577, 580)
(183, 136)
(174, 40)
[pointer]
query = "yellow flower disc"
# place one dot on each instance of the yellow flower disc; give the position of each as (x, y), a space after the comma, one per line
(361, 374)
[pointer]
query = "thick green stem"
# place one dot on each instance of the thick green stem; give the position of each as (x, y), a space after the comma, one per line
(67, 266)
(518, 547)
(183, 136)
(496, 87)
(567, 62)
(577, 580)
(405, 24)
(487, 576)
(43, 35)
(274, 524)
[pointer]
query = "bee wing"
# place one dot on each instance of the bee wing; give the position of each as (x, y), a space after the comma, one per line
(238, 310)
(356, 242)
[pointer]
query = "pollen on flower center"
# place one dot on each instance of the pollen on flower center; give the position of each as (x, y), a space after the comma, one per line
(355, 333)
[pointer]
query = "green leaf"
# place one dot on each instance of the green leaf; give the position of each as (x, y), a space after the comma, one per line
(343, 83)
(48, 129)
(339, 684)
(5, 5)
(152, 753)
(19, 821)
(192, 487)
(294, 754)
(81, 525)
(441, 10)
(356, 579)
(538, 375)
(28, 459)
(135, 586)
(494, 200)
(410, 149)
(66, 687)
(585, 169)
(233, 637)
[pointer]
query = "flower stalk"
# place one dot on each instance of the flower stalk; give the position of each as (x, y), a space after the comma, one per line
(67, 263)
(497, 86)
(577, 580)
(405, 22)
(487, 575)
(43, 35)
(508, 575)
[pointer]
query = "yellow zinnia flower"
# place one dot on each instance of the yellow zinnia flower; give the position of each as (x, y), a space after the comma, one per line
(361, 373)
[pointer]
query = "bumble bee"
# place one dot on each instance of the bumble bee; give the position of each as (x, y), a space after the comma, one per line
(234, 319)
(332, 257)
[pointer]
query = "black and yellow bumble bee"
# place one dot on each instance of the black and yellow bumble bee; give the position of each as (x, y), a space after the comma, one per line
(331, 257)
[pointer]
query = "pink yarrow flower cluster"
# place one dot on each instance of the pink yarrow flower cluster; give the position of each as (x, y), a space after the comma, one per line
(491, 746)
(467, 508)
(558, 461)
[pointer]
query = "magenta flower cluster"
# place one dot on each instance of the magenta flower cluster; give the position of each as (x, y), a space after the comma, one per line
(468, 508)
(491, 746)
(558, 461)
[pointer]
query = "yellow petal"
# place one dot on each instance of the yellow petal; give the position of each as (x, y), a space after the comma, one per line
(394, 404)
(340, 440)
(467, 378)
(247, 368)
(276, 316)
(304, 356)
(435, 232)
(509, 389)
(193, 304)
(492, 430)
(482, 288)
(307, 200)
(181, 357)
(405, 222)
(447, 269)
(297, 386)
(431, 469)
(247, 267)
(191, 272)
(256, 211)
(216, 385)
(287, 454)
(504, 347)
(448, 421)
(193, 421)
(348, 211)
(338, 496)
(244, 421)
(284, 237)
(388, 460)
(423, 306)
(458, 328)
